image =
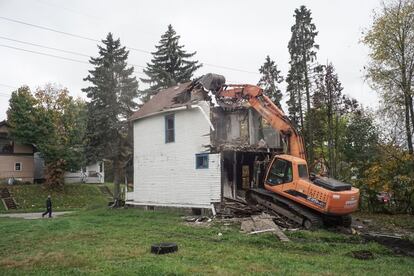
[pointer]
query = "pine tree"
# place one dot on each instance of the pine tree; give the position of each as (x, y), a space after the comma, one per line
(170, 65)
(328, 98)
(294, 89)
(270, 79)
(302, 49)
(111, 95)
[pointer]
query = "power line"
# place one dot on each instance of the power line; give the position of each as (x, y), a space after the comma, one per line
(6, 85)
(43, 46)
(56, 49)
(44, 54)
(230, 68)
(96, 40)
(64, 33)
(50, 55)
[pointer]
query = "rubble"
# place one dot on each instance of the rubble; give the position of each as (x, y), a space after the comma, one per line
(261, 224)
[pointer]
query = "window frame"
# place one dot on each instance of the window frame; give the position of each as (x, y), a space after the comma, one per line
(20, 168)
(166, 129)
(285, 178)
(300, 171)
(202, 155)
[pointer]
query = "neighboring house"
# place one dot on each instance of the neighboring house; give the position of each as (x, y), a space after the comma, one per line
(16, 160)
(190, 153)
(93, 173)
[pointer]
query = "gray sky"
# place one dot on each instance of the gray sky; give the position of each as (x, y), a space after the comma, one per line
(236, 34)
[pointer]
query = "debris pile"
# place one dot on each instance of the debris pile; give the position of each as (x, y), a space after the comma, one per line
(261, 224)
(238, 208)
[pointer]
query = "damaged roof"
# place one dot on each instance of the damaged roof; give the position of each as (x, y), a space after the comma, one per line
(172, 97)
(163, 100)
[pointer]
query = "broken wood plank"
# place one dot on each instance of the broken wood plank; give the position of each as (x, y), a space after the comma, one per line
(279, 233)
(262, 231)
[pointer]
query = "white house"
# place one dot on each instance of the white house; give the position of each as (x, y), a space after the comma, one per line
(93, 173)
(189, 153)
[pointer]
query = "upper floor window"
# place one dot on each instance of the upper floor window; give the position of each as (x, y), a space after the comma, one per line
(6, 146)
(18, 166)
(169, 128)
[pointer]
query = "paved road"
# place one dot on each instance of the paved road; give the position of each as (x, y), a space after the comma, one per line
(32, 215)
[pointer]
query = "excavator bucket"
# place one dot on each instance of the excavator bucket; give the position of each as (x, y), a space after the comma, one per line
(212, 82)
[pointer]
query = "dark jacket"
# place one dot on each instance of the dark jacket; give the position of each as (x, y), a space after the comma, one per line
(49, 203)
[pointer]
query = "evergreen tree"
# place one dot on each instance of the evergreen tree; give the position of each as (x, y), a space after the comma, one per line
(111, 95)
(302, 49)
(170, 65)
(270, 79)
(294, 85)
(328, 97)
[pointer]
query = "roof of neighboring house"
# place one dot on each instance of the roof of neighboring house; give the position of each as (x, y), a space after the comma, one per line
(3, 123)
(163, 100)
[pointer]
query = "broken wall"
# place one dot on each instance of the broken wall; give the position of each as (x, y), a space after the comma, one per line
(242, 128)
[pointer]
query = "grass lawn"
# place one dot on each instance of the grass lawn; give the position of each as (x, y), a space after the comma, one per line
(117, 242)
(74, 196)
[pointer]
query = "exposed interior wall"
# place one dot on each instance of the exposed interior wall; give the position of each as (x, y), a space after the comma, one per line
(242, 171)
(242, 127)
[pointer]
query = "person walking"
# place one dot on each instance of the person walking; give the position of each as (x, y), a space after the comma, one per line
(48, 207)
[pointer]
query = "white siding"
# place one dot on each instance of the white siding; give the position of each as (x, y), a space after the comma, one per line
(165, 173)
(92, 175)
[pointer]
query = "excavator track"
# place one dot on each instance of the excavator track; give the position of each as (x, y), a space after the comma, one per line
(285, 207)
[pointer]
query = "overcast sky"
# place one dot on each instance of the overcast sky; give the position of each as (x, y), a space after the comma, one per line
(236, 34)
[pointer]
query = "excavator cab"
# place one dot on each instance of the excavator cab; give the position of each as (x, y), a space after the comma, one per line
(280, 172)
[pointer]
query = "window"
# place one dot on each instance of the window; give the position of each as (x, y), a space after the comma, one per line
(280, 172)
(18, 166)
(201, 161)
(169, 128)
(101, 167)
(6, 146)
(303, 171)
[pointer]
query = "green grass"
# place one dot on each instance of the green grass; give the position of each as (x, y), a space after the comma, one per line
(117, 242)
(73, 196)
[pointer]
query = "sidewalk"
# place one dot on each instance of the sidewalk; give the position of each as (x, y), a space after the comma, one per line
(32, 215)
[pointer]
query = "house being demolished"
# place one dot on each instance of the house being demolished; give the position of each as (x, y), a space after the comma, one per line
(190, 152)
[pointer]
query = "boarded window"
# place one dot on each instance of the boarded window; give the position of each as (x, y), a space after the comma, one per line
(169, 128)
(201, 161)
(18, 166)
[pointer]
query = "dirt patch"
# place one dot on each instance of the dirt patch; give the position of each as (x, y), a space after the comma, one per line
(398, 245)
(362, 255)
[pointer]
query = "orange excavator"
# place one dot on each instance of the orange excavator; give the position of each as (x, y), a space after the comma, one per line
(288, 189)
